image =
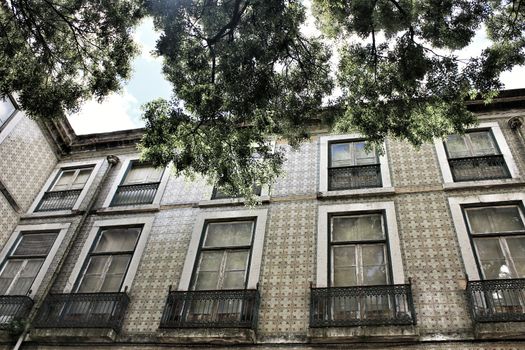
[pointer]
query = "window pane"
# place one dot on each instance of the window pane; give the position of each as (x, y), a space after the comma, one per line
(81, 179)
(26, 277)
(115, 274)
(8, 274)
(117, 239)
(491, 258)
(344, 260)
(236, 260)
(64, 180)
(142, 173)
(341, 155)
(207, 281)
(233, 280)
(364, 157)
(6, 109)
(211, 261)
(374, 267)
(356, 228)
(457, 147)
(228, 234)
(93, 274)
(482, 143)
(345, 277)
(34, 244)
(495, 219)
(517, 252)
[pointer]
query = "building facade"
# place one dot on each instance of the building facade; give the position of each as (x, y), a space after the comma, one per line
(411, 248)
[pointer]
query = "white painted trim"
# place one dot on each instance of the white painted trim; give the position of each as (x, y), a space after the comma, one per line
(135, 260)
(465, 246)
(10, 125)
(126, 160)
(323, 168)
(97, 163)
(391, 226)
(500, 142)
(62, 230)
(261, 216)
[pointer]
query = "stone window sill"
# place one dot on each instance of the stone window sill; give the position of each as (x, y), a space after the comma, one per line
(130, 209)
(362, 192)
(363, 334)
(482, 184)
(229, 201)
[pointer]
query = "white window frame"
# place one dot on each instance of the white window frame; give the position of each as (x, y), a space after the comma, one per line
(96, 163)
(11, 121)
(501, 144)
(323, 168)
(62, 230)
(147, 223)
(397, 270)
(456, 203)
(126, 161)
(254, 269)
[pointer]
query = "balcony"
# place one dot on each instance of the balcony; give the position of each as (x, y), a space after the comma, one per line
(14, 308)
(362, 306)
(354, 177)
(500, 300)
(58, 200)
(479, 168)
(135, 194)
(83, 310)
(211, 309)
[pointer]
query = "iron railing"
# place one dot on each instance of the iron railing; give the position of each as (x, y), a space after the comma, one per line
(14, 308)
(211, 309)
(135, 194)
(218, 194)
(83, 310)
(500, 300)
(354, 177)
(362, 306)
(58, 200)
(479, 168)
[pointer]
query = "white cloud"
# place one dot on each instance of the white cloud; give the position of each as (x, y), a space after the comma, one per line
(110, 115)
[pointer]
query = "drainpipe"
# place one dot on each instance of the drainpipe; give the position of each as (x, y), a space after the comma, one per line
(515, 124)
(112, 161)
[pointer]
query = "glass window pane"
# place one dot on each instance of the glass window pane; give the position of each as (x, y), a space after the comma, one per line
(340, 155)
(8, 274)
(117, 239)
(374, 275)
(343, 256)
(356, 228)
(34, 244)
(234, 280)
(228, 234)
(373, 254)
(211, 261)
(6, 109)
(94, 274)
(495, 219)
(112, 283)
(482, 143)
(457, 146)
(142, 173)
(491, 258)
(236, 260)
(345, 277)
(517, 253)
(207, 280)
(81, 179)
(26, 277)
(64, 180)
(90, 284)
(364, 157)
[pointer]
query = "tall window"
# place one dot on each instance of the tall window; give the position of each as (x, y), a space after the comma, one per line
(23, 263)
(475, 156)
(139, 185)
(498, 236)
(351, 166)
(108, 260)
(65, 190)
(224, 256)
(7, 108)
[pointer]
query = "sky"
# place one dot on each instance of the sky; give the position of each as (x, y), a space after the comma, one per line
(121, 111)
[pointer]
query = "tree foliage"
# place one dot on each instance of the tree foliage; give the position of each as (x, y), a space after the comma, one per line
(55, 54)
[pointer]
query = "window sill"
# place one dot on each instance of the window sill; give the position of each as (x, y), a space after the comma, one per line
(229, 201)
(362, 192)
(364, 334)
(499, 330)
(216, 336)
(140, 208)
(46, 214)
(482, 184)
(84, 335)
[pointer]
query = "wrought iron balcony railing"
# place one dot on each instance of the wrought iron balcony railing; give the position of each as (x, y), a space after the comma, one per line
(500, 300)
(58, 200)
(479, 168)
(135, 194)
(362, 306)
(354, 177)
(83, 310)
(211, 309)
(14, 308)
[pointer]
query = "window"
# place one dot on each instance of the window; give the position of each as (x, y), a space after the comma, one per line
(481, 154)
(475, 156)
(25, 260)
(108, 260)
(139, 185)
(7, 109)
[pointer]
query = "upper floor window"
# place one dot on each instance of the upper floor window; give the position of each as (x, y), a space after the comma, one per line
(475, 156)
(139, 185)
(352, 166)
(65, 189)
(24, 261)
(7, 109)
